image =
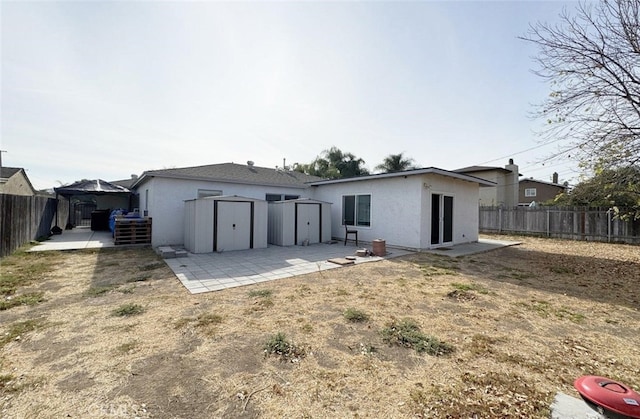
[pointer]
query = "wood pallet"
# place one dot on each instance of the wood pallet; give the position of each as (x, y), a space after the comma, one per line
(132, 230)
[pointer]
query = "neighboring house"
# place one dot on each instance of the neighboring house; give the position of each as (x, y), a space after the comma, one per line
(539, 191)
(416, 209)
(505, 192)
(419, 209)
(162, 193)
(125, 183)
(14, 181)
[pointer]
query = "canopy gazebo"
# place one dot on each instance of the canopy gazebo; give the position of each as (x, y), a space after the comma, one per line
(105, 196)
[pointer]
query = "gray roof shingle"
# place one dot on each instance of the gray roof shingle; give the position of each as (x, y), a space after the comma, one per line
(7, 172)
(235, 173)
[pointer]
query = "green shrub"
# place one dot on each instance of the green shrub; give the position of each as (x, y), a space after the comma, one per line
(128, 310)
(470, 287)
(279, 346)
(354, 315)
(406, 333)
(98, 290)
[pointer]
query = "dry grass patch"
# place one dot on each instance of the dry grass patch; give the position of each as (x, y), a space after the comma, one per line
(522, 330)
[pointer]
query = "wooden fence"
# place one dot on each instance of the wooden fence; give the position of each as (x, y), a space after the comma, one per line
(566, 223)
(26, 218)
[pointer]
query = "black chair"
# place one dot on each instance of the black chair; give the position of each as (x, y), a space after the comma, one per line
(347, 232)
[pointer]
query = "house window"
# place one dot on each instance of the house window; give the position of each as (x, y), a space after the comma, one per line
(356, 210)
(270, 197)
(530, 192)
(203, 193)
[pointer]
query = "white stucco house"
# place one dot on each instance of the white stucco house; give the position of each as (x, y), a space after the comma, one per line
(414, 209)
(162, 193)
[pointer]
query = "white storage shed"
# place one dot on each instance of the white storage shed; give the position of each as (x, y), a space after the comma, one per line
(224, 223)
(299, 221)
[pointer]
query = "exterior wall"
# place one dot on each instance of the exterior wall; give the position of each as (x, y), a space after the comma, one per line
(544, 191)
(164, 202)
(17, 184)
(401, 208)
(512, 185)
(465, 208)
(395, 214)
(505, 193)
(491, 196)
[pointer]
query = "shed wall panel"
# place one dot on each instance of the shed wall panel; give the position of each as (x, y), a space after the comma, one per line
(282, 222)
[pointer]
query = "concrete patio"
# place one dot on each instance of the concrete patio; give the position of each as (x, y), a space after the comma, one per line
(77, 238)
(217, 271)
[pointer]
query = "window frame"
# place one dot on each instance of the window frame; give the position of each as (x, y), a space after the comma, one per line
(530, 192)
(270, 197)
(205, 193)
(358, 218)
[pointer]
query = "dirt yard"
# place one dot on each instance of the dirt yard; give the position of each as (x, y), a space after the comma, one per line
(113, 333)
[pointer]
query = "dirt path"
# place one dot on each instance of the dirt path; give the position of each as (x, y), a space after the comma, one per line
(523, 322)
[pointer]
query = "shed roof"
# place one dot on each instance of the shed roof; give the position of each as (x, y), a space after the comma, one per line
(233, 173)
(412, 172)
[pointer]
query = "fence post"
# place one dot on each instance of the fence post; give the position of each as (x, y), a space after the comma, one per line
(548, 224)
(500, 220)
(609, 225)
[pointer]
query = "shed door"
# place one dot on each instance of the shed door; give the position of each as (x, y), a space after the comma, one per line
(307, 223)
(233, 226)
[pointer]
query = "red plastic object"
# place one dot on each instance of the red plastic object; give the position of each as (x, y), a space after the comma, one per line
(610, 395)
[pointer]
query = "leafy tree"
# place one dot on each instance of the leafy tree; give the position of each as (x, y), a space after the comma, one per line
(395, 163)
(592, 61)
(334, 164)
(617, 188)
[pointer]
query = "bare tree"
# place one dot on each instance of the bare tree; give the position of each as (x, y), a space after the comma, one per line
(592, 61)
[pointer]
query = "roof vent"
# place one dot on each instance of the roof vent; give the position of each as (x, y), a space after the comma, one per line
(250, 163)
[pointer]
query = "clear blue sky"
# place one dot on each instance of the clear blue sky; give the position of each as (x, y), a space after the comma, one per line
(109, 89)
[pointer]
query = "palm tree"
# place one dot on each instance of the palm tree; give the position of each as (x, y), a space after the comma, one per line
(395, 163)
(334, 164)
